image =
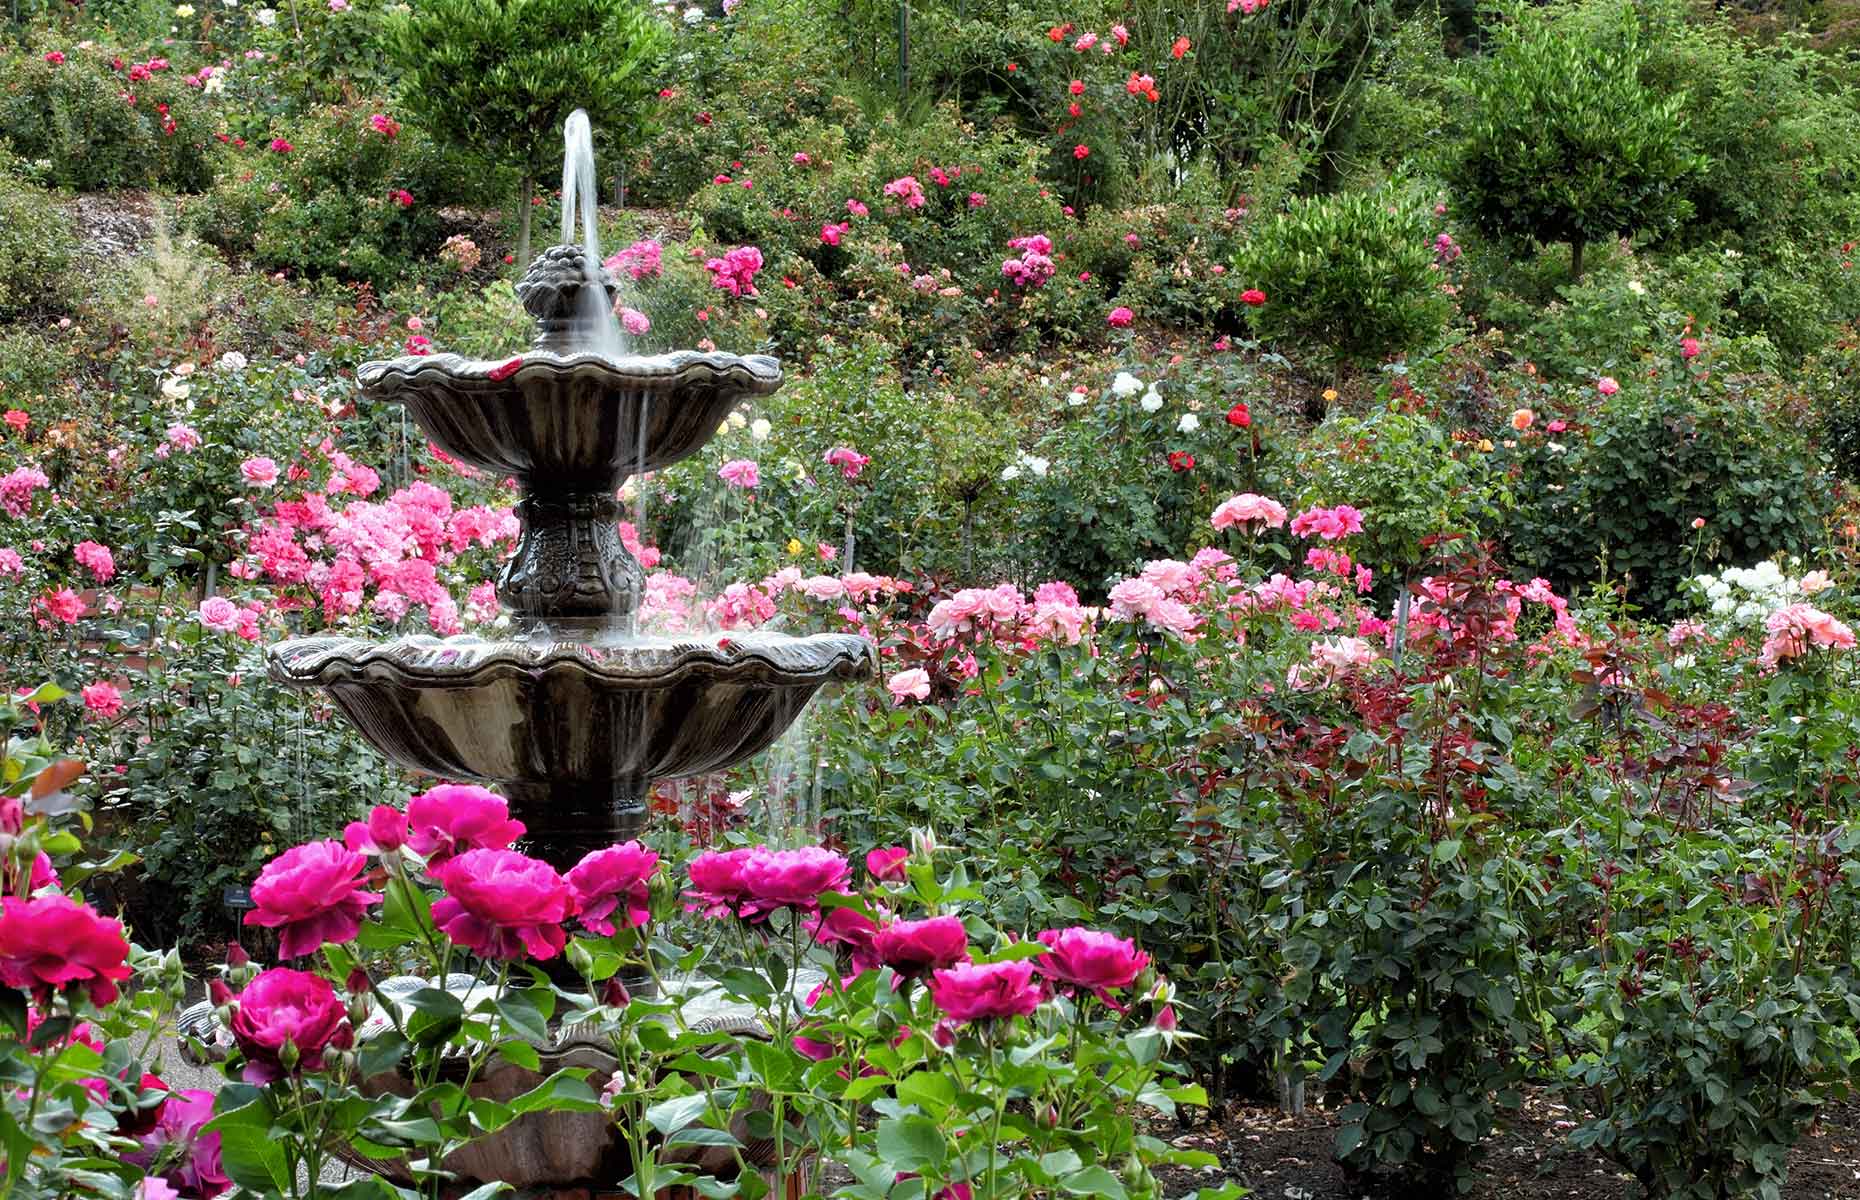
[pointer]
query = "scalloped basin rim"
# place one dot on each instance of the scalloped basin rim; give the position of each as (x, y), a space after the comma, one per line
(755, 374)
(421, 660)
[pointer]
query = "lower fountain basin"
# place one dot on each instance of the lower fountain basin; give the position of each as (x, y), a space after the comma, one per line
(575, 732)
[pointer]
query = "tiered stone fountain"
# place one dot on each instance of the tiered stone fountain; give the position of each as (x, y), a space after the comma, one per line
(576, 714)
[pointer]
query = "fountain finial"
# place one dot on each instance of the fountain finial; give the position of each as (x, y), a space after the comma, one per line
(554, 291)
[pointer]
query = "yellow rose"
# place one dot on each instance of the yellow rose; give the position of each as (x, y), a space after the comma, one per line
(794, 545)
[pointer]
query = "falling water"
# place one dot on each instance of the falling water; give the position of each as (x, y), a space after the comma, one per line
(595, 326)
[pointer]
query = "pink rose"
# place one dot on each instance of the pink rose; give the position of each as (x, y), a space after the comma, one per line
(604, 878)
(849, 461)
(913, 684)
(259, 472)
(384, 832)
(219, 614)
(180, 1122)
(455, 817)
(1120, 318)
(503, 904)
(912, 948)
(1247, 507)
(95, 557)
(1607, 386)
(52, 942)
(102, 700)
(976, 993)
(793, 878)
(740, 473)
(285, 1007)
(717, 887)
(1091, 959)
(312, 895)
(887, 866)
(846, 927)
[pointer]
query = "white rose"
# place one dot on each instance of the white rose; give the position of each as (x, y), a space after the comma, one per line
(232, 360)
(1035, 464)
(1151, 401)
(1010, 473)
(1126, 385)
(1188, 424)
(694, 16)
(176, 388)
(738, 420)
(266, 17)
(759, 429)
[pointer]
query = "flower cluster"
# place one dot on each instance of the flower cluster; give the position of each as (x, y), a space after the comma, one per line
(735, 272)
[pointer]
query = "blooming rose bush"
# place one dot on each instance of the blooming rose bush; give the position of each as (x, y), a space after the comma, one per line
(915, 1015)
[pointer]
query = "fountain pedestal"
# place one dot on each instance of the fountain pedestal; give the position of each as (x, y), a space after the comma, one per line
(575, 715)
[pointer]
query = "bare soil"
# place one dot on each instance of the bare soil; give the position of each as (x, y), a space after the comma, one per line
(1281, 1157)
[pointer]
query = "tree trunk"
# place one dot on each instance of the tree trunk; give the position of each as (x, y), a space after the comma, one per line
(904, 55)
(1575, 259)
(523, 222)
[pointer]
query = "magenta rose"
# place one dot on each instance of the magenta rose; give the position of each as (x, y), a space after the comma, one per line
(717, 885)
(199, 1172)
(455, 817)
(912, 948)
(52, 942)
(605, 878)
(503, 904)
(850, 928)
(1091, 959)
(976, 993)
(384, 832)
(312, 895)
(283, 1007)
(793, 878)
(887, 866)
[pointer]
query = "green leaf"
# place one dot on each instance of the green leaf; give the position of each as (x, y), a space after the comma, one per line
(250, 1154)
(912, 1143)
(931, 1091)
(1094, 1181)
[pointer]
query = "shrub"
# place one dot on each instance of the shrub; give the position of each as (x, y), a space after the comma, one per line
(36, 247)
(1404, 470)
(1615, 494)
(69, 123)
(1351, 274)
(343, 195)
(500, 78)
(1565, 142)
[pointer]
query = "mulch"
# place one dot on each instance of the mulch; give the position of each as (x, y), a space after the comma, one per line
(1282, 1157)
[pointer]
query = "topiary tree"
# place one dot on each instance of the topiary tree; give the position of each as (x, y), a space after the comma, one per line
(1565, 143)
(499, 77)
(1351, 274)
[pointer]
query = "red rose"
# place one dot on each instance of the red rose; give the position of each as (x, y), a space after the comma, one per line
(52, 942)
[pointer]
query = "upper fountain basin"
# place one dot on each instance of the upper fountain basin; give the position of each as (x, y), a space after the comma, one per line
(573, 420)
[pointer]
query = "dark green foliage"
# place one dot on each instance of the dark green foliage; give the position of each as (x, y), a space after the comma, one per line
(332, 204)
(499, 78)
(1615, 496)
(70, 126)
(36, 245)
(1350, 275)
(1563, 141)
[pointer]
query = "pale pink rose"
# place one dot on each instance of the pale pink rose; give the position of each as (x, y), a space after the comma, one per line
(260, 472)
(913, 684)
